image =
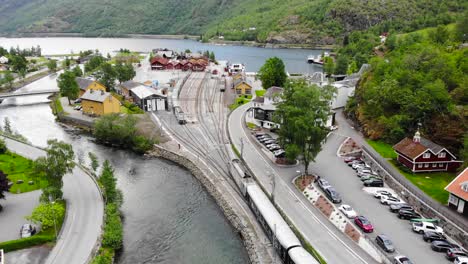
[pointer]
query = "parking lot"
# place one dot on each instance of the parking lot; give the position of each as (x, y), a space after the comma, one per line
(343, 178)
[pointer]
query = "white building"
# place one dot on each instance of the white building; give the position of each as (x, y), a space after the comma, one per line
(264, 108)
(3, 60)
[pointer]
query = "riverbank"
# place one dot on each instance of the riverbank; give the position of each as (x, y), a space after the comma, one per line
(172, 37)
(235, 215)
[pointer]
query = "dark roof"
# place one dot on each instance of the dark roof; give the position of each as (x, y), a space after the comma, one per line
(95, 95)
(273, 91)
(159, 60)
(259, 99)
(413, 149)
(83, 83)
(130, 84)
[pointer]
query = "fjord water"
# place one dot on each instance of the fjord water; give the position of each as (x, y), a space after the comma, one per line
(168, 216)
(252, 57)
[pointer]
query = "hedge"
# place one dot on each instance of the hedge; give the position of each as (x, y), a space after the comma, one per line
(35, 240)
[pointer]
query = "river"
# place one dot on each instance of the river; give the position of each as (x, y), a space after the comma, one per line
(169, 217)
(252, 57)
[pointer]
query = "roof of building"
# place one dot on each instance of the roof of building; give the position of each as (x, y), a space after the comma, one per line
(273, 91)
(95, 95)
(144, 92)
(130, 84)
(412, 149)
(239, 81)
(259, 99)
(83, 83)
(459, 185)
(159, 60)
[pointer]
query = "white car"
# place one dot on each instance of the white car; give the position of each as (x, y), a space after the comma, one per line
(401, 260)
(360, 165)
(365, 172)
(378, 194)
(388, 200)
(347, 210)
(461, 260)
(421, 227)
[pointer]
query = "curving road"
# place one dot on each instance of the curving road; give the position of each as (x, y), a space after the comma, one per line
(332, 245)
(84, 218)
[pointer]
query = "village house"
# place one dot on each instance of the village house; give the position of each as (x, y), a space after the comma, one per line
(125, 87)
(159, 63)
(149, 99)
(99, 102)
(164, 53)
(242, 87)
(422, 155)
(264, 107)
(458, 189)
(3, 60)
(86, 84)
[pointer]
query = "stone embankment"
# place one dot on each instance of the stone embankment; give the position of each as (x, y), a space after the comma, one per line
(222, 198)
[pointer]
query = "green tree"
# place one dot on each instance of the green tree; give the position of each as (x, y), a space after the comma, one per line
(52, 65)
(22, 73)
(47, 214)
(352, 68)
(94, 63)
(464, 152)
(66, 63)
(68, 86)
(113, 231)
(8, 78)
(341, 65)
(4, 186)
(328, 66)
(57, 162)
(439, 35)
(212, 56)
(124, 72)
(109, 183)
(303, 114)
(272, 73)
(3, 146)
(77, 71)
(94, 161)
(7, 126)
(107, 76)
(18, 63)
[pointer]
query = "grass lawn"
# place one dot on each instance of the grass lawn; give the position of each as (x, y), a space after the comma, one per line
(239, 101)
(19, 168)
(384, 149)
(251, 125)
(260, 92)
(432, 184)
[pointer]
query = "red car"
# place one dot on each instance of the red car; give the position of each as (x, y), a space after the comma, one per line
(214, 72)
(364, 224)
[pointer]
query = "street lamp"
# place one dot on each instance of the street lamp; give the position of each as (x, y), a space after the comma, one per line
(52, 201)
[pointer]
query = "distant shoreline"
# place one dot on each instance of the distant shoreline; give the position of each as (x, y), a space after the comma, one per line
(190, 37)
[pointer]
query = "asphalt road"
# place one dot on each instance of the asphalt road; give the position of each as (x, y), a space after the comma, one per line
(329, 166)
(84, 217)
(333, 245)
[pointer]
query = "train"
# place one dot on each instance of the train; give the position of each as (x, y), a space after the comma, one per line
(285, 242)
(180, 115)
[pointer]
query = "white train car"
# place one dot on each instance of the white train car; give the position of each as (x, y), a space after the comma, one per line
(277, 230)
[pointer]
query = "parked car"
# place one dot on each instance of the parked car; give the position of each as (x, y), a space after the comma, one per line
(453, 253)
(364, 172)
(408, 214)
(387, 200)
(401, 260)
(273, 147)
(355, 162)
(379, 193)
(394, 208)
(374, 183)
(360, 165)
(263, 136)
(460, 260)
(333, 195)
(364, 224)
(347, 210)
(323, 184)
(350, 159)
(385, 243)
(280, 153)
(77, 101)
(265, 139)
(421, 227)
(78, 107)
(270, 141)
(369, 177)
(259, 134)
(27, 230)
(430, 236)
(442, 245)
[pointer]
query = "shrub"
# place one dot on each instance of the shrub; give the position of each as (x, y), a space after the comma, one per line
(142, 144)
(113, 231)
(105, 256)
(3, 147)
(35, 240)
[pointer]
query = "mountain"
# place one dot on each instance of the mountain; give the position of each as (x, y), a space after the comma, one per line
(273, 21)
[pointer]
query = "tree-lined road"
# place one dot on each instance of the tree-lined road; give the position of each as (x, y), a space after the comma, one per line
(84, 217)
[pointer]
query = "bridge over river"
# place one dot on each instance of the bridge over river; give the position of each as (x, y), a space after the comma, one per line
(27, 93)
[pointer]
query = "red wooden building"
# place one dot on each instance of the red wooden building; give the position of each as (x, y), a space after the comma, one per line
(160, 63)
(458, 189)
(422, 155)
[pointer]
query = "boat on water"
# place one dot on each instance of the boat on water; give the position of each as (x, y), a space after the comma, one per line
(319, 59)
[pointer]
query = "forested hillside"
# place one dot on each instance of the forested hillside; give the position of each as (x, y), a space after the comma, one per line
(420, 77)
(274, 21)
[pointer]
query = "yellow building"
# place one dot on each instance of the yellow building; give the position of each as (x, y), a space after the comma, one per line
(98, 102)
(242, 87)
(237, 76)
(86, 84)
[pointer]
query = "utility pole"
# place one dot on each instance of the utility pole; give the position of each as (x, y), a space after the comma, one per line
(242, 148)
